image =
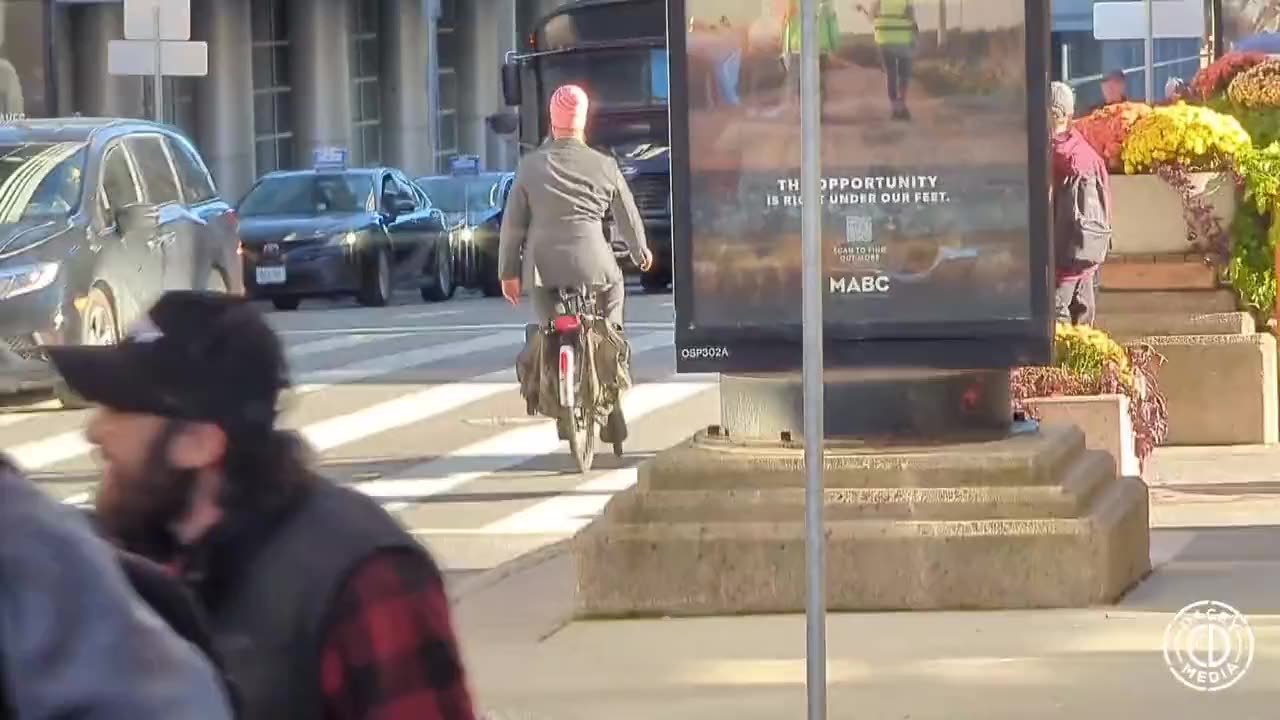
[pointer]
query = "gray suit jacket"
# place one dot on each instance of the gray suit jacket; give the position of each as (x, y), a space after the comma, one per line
(554, 216)
(75, 641)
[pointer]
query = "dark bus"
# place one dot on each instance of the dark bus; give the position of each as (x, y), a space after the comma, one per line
(615, 50)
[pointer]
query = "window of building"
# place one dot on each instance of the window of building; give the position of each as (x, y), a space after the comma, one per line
(1082, 60)
(366, 92)
(157, 173)
(179, 101)
(447, 84)
(272, 121)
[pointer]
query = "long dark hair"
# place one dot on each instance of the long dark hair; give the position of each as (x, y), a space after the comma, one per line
(265, 472)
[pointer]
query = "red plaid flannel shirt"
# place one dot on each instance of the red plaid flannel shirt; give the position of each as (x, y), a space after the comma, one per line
(390, 653)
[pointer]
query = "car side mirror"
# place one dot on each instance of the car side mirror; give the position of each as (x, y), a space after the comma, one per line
(503, 123)
(137, 217)
(403, 206)
(511, 84)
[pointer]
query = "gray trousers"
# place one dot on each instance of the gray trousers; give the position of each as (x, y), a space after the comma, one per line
(1076, 300)
(546, 303)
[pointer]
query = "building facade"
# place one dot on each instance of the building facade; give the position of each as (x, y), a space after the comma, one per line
(406, 83)
(1082, 60)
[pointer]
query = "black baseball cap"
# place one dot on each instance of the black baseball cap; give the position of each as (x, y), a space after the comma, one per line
(197, 356)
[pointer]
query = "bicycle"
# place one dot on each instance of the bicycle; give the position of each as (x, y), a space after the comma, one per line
(580, 392)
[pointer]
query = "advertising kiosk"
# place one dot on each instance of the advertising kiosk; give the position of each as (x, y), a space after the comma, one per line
(937, 280)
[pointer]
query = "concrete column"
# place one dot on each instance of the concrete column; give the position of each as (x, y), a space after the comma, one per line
(320, 63)
(487, 31)
(98, 93)
(224, 99)
(433, 79)
(64, 69)
(502, 151)
(406, 42)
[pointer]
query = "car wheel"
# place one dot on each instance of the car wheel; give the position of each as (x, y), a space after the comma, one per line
(98, 320)
(97, 327)
(464, 265)
(377, 280)
(490, 283)
(443, 288)
(286, 303)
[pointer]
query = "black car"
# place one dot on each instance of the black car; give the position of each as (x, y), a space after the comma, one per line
(99, 216)
(330, 233)
(473, 204)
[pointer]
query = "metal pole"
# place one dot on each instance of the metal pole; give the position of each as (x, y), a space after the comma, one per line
(811, 240)
(158, 79)
(1149, 51)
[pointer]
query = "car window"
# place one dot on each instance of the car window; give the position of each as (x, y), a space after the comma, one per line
(197, 186)
(420, 196)
(307, 194)
(158, 179)
(404, 189)
(40, 181)
(119, 186)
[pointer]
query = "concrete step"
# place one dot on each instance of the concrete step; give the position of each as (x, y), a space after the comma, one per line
(1126, 302)
(1071, 497)
(1146, 324)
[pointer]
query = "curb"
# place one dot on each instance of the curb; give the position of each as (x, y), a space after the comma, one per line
(518, 564)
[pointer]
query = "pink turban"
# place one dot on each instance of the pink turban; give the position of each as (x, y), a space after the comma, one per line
(569, 108)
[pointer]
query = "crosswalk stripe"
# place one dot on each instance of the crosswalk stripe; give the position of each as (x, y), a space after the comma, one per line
(436, 329)
(513, 448)
(70, 445)
(432, 402)
(341, 342)
(566, 514)
(375, 367)
(51, 450)
(350, 427)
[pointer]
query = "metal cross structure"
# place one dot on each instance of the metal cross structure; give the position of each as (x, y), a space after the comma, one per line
(157, 42)
(1148, 20)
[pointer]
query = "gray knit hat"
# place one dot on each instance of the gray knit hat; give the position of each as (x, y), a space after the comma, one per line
(1062, 100)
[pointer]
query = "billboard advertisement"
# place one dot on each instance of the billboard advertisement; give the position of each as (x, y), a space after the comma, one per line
(935, 183)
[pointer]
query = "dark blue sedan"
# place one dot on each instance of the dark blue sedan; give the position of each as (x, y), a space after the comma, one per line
(473, 204)
(332, 233)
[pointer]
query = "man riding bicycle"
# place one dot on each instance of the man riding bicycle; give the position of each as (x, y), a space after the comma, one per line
(555, 218)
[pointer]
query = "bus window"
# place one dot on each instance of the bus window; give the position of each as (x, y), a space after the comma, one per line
(658, 80)
(611, 78)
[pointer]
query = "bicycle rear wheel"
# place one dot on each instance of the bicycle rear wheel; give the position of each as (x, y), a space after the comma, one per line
(582, 439)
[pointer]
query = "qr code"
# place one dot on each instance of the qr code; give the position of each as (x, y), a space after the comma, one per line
(857, 230)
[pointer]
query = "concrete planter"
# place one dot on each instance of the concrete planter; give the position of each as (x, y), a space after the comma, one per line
(1104, 420)
(1147, 214)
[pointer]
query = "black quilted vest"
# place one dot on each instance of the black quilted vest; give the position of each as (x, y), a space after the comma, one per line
(271, 628)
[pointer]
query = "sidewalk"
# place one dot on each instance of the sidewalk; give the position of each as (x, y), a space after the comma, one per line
(526, 662)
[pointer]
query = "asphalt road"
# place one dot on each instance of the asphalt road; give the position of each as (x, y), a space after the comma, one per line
(416, 404)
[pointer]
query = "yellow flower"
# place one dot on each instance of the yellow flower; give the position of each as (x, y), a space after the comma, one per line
(1190, 134)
